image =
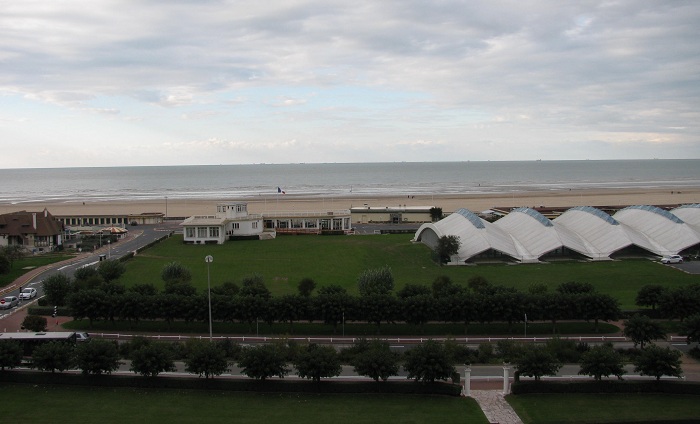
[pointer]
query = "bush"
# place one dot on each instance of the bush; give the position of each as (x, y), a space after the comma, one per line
(608, 386)
(34, 323)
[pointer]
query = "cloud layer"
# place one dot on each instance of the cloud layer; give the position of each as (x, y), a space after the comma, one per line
(87, 83)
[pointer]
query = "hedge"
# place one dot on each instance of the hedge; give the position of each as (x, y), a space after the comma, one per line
(677, 387)
(231, 384)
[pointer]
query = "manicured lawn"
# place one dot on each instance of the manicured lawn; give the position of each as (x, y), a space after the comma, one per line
(56, 405)
(604, 408)
(29, 263)
(284, 261)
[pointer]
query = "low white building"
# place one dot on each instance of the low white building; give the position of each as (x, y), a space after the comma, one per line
(230, 222)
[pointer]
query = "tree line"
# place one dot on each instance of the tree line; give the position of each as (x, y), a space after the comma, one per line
(95, 294)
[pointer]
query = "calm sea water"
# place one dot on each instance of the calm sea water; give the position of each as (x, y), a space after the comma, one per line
(337, 179)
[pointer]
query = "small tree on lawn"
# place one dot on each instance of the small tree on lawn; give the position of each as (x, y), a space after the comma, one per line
(10, 354)
(650, 295)
(691, 328)
(110, 270)
(5, 264)
(657, 362)
(641, 330)
(316, 362)
(306, 286)
(376, 361)
(152, 358)
(174, 272)
(375, 281)
(53, 356)
(429, 361)
(602, 361)
(205, 359)
(34, 323)
(264, 361)
(447, 246)
(97, 357)
(537, 361)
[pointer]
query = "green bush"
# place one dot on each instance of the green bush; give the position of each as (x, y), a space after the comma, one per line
(610, 386)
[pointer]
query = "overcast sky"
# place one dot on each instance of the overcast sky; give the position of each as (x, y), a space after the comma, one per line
(176, 82)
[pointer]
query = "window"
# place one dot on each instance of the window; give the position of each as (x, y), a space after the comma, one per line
(241, 208)
(214, 232)
(235, 225)
(190, 232)
(201, 232)
(255, 224)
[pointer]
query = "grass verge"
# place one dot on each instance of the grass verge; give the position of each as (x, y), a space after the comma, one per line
(92, 405)
(604, 408)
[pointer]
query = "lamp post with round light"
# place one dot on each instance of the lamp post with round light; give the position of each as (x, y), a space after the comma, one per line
(209, 259)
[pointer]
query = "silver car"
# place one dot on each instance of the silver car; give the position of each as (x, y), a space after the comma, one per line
(9, 302)
(27, 294)
(673, 259)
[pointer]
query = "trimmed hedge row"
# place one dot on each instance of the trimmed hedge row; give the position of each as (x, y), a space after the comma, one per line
(611, 386)
(232, 384)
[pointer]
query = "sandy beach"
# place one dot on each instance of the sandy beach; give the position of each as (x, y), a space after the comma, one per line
(474, 202)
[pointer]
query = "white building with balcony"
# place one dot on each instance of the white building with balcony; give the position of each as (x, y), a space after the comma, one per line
(231, 222)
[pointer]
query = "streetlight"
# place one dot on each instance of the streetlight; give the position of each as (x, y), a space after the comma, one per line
(209, 259)
(166, 207)
(109, 248)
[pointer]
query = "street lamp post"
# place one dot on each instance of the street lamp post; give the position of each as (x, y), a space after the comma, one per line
(166, 207)
(109, 249)
(209, 259)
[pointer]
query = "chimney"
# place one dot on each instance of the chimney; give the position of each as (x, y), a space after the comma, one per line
(34, 219)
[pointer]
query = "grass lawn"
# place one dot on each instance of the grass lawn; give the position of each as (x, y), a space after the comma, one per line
(56, 405)
(284, 261)
(604, 408)
(29, 263)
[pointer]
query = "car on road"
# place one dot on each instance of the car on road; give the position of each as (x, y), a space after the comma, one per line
(672, 259)
(9, 302)
(82, 337)
(27, 294)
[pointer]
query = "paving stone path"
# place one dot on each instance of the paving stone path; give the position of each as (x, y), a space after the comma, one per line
(495, 407)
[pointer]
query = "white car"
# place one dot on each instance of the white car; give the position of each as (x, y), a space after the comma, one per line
(9, 302)
(673, 259)
(27, 294)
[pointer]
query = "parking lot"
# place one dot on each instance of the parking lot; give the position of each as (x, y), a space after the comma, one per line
(691, 267)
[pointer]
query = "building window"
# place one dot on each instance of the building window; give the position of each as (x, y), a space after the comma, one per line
(214, 232)
(235, 225)
(201, 232)
(190, 232)
(255, 224)
(241, 208)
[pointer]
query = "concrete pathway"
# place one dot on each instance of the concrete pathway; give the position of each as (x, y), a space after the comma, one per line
(495, 407)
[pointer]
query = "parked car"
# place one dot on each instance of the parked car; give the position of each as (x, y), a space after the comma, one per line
(82, 337)
(673, 259)
(9, 302)
(27, 294)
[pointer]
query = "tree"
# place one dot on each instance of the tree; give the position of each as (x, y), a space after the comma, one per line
(97, 357)
(110, 270)
(290, 308)
(429, 361)
(443, 286)
(417, 310)
(602, 361)
(478, 284)
(436, 213)
(376, 308)
(174, 272)
(13, 253)
(152, 358)
(641, 330)
(447, 246)
(34, 323)
(205, 358)
(91, 304)
(650, 295)
(410, 290)
(376, 361)
(85, 278)
(56, 289)
(316, 362)
(375, 281)
(657, 362)
(536, 361)
(575, 287)
(306, 286)
(264, 361)
(332, 305)
(53, 356)
(691, 329)
(10, 354)
(229, 288)
(5, 264)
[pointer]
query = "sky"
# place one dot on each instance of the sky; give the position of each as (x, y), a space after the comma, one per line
(179, 82)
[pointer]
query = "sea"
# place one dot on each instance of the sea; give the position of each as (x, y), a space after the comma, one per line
(21, 186)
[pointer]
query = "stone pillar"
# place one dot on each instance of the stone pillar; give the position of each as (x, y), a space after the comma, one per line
(467, 381)
(506, 379)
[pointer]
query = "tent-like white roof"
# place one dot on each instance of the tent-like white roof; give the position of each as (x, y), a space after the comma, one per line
(591, 232)
(666, 233)
(526, 235)
(532, 233)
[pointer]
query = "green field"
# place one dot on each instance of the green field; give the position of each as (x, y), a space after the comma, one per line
(56, 405)
(27, 264)
(604, 408)
(340, 259)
